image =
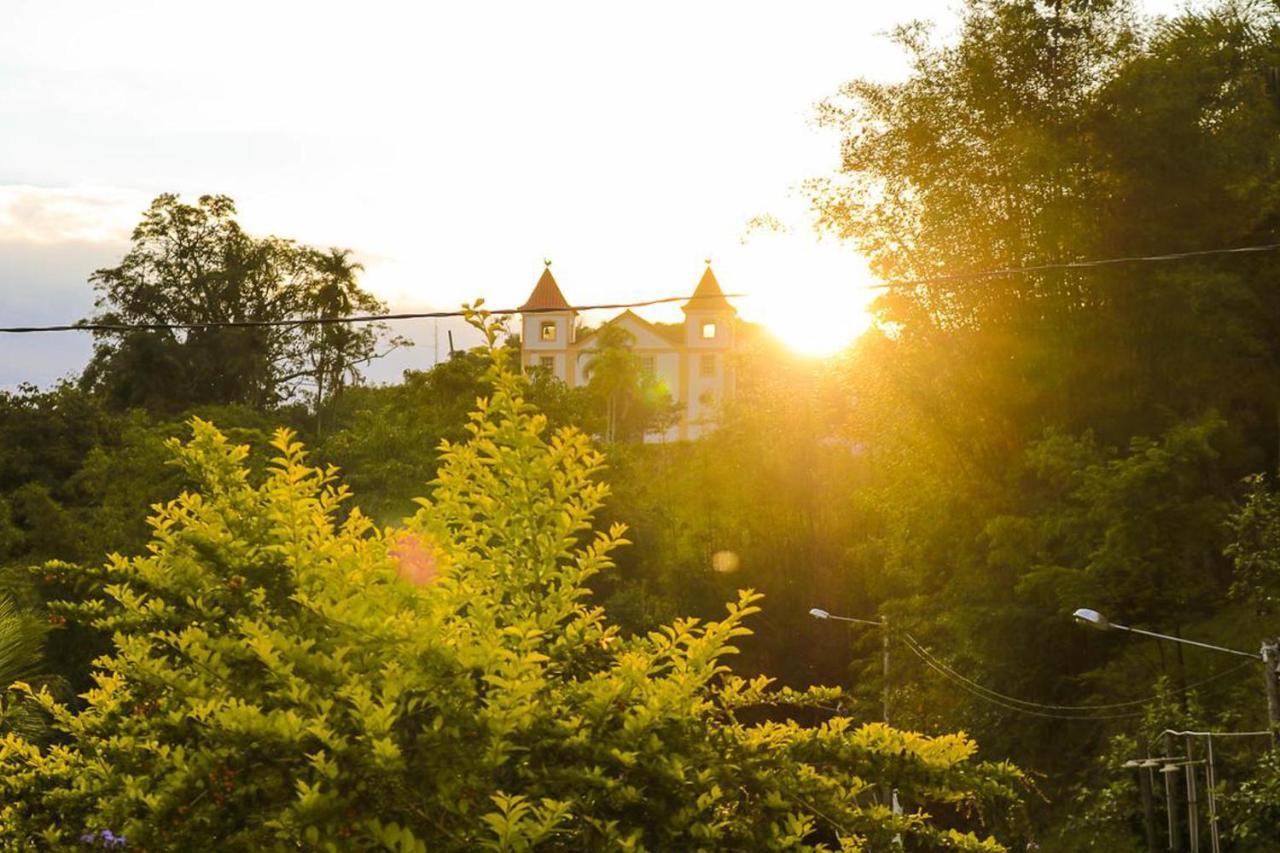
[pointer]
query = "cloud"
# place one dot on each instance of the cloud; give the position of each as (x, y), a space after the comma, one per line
(51, 241)
(47, 215)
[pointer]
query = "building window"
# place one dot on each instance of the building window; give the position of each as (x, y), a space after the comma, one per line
(707, 398)
(707, 367)
(548, 331)
(548, 363)
(708, 331)
(648, 365)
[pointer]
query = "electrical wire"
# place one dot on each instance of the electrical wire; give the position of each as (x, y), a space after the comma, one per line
(965, 685)
(1072, 265)
(1040, 708)
(1215, 734)
(1012, 703)
(1095, 707)
(437, 315)
(360, 318)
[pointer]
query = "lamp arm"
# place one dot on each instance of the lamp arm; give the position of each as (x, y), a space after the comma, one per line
(875, 622)
(1120, 627)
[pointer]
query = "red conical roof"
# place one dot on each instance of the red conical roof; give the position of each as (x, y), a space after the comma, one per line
(708, 296)
(546, 295)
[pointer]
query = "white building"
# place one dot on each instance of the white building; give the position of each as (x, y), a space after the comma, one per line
(692, 359)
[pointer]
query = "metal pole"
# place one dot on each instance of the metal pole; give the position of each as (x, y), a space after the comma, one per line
(1171, 801)
(1148, 806)
(1184, 642)
(1210, 780)
(884, 687)
(1270, 670)
(1193, 810)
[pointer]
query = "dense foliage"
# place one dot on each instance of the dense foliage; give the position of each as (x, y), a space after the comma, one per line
(284, 672)
(1070, 437)
(997, 452)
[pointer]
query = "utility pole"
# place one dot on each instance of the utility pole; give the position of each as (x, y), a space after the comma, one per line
(1269, 655)
(1193, 806)
(1148, 806)
(1271, 672)
(1210, 781)
(1171, 801)
(884, 685)
(883, 624)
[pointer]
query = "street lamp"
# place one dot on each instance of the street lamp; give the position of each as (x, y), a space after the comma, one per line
(1269, 655)
(819, 613)
(883, 625)
(1094, 619)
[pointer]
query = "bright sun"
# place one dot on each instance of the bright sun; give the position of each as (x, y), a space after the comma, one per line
(812, 296)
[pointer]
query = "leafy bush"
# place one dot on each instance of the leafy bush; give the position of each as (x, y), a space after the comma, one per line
(20, 640)
(285, 674)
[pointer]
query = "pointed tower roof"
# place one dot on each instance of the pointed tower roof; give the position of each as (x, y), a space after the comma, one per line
(708, 296)
(546, 294)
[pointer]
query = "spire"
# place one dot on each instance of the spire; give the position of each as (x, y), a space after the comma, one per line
(546, 294)
(708, 296)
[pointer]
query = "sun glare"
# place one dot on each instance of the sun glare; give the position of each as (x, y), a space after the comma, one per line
(813, 297)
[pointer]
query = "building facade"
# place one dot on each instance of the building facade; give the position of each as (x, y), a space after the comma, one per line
(693, 360)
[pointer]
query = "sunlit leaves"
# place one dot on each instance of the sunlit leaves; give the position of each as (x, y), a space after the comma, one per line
(278, 679)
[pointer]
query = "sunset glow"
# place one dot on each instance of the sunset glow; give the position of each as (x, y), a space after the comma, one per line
(811, 295)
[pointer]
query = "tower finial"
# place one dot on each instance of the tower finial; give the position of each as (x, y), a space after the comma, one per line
(708, 261)
(547, 262)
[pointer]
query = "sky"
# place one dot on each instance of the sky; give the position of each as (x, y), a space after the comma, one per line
(453, 147)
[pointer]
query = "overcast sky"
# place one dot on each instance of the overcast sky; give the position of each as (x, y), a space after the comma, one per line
(453, 147)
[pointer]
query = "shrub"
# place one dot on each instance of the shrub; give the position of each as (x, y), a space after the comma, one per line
(285, 674)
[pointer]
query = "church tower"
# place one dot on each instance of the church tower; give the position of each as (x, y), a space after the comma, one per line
(709, 331)
(547, 322)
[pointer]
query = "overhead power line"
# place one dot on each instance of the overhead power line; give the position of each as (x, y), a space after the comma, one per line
(437, 315)
(1006, 702)
(1044, 709)
(1072, 265)
(360, 318)
(1216, 734)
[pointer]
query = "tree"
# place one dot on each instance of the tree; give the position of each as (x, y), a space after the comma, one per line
(634, 401)
(989, 404)
(280, 677)
(193, 264)
(20, 640)
(1055, 131)
(1140, 534)
(330, 355)
(1255, 546)
(387, 439)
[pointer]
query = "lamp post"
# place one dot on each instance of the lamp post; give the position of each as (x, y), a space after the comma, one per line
(1269, 654)
(883, 624)
(1144, 768)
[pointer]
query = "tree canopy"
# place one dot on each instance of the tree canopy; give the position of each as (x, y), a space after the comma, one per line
(194, 264)
(282, 673)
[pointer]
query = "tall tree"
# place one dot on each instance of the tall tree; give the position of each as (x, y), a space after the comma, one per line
(194, 264)
(1057, 131)
(1047, 132)
(329, 356)
(633, 400)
